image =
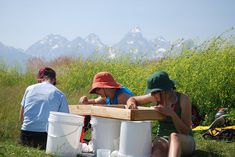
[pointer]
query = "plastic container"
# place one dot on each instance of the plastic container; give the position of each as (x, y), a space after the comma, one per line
(105, 133)
(64, 131)
(103, 153)
(135, 139)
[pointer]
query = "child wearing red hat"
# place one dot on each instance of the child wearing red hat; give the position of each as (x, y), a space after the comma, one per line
(109, 91)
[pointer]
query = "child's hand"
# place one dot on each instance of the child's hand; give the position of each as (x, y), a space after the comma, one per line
(168, 111)
(131, 103)
(83, 100)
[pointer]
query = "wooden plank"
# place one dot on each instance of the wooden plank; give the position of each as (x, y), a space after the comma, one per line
(146, 114)
(116, 106)
(111, 112)
(86, 109)
(117, 112)
(80, 109)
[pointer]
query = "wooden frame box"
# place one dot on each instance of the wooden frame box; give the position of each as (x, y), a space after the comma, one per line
(117, 112)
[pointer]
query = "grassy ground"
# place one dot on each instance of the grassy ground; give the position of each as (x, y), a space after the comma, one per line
(10, 148)
(212, 148)
(205, 148)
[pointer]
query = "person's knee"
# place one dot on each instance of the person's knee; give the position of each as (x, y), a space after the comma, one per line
(160, 143)
(174, 138)
(160, 148)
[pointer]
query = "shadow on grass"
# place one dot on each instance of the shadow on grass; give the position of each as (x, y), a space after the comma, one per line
(202, 153)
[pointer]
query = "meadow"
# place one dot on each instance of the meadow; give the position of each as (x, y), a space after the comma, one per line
(205, 74)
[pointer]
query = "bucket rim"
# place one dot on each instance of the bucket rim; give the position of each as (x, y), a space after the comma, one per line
(64, 114)
(65, 118)
(66, 122)
(94, 120)
(123, 154)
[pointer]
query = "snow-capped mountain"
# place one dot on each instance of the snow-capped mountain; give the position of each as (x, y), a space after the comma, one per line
(53, 46)
(180, 45)
(94, 40)
(133, 44)
(79, 47)
(13, 57)
(160, 45)
(49, 47)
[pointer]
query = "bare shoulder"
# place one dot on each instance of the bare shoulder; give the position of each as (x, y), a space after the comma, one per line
(184, 99)
(124, 94)
(123, 97)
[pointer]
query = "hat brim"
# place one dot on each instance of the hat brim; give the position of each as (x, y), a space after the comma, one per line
(163, 88)
(104, 85)
(147, 91)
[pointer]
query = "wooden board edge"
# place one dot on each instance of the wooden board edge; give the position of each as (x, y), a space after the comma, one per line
(114, 113)
(141, 115)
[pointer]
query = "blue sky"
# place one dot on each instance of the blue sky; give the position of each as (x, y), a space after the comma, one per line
(24, 22)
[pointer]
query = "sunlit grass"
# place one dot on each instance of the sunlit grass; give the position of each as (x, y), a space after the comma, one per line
(204, 148)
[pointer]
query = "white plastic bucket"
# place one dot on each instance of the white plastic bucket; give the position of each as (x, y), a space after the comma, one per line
(105, 133)
(64, 131)
(103, 153)
(135, 139)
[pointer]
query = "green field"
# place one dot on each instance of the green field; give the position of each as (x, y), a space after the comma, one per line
(206, 75)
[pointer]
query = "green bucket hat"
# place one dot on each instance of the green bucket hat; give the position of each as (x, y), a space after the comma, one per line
(159, 81)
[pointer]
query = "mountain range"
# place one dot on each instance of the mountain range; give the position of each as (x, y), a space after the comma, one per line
(53, 46)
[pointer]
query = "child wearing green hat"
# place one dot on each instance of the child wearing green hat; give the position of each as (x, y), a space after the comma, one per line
(174, 133)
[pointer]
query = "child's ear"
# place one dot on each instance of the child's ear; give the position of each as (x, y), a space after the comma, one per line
(54, 81)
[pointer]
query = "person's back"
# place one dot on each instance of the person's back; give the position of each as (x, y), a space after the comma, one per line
(38, 100)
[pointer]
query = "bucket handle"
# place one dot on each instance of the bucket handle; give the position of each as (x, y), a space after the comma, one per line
(51, 135)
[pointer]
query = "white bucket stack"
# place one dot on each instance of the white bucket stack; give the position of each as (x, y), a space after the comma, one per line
(135, 139)
(64, 133)
(105, 133)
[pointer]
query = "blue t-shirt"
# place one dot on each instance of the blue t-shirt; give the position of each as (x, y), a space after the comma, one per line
(118, 92)
(39, 99)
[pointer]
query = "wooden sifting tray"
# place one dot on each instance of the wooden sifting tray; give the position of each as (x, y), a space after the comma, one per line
(117, 112)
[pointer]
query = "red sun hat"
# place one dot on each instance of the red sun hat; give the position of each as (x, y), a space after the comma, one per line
(104, 80)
